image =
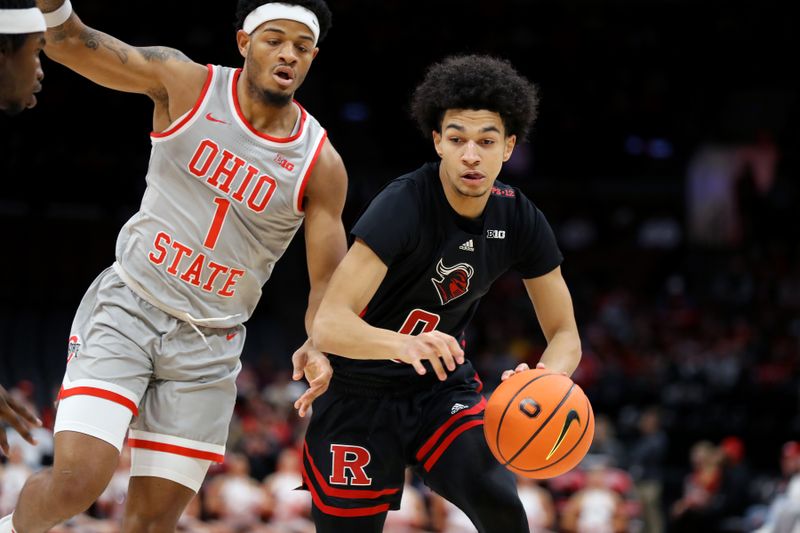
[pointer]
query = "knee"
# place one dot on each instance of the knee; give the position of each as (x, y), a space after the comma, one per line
(75, 489)
(498, 506)
(149, 522)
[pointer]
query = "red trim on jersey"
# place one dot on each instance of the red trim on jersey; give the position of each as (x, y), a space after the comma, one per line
(344, 493)
(480, 383)
(238, 109)
(340, 511)
(176, 450)
(99, 393)
(308, 171)
(449, 440)
(475, 409)
(191, 113)
(363, 312)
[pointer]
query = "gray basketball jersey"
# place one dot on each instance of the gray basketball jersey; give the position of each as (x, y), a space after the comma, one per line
(222, 203)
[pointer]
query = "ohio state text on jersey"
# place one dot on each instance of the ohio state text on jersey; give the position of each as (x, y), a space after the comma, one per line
(223, 201)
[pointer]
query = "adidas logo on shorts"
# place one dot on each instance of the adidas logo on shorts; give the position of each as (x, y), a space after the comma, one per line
(457, 407)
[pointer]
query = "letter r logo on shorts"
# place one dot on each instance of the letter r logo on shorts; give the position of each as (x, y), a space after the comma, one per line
(353, 458)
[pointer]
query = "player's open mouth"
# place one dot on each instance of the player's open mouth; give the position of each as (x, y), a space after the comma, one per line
(284, 76)
(472, 176)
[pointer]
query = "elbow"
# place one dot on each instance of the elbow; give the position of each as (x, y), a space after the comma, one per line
(322, 332)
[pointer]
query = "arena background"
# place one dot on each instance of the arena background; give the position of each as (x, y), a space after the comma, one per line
(665, 156)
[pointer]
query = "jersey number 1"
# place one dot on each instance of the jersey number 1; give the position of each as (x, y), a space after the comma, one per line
(216, 225)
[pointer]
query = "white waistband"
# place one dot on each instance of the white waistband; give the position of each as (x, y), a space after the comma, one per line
(145, 295)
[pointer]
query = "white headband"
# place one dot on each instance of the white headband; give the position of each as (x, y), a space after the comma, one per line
(276, 11)
(18, 21)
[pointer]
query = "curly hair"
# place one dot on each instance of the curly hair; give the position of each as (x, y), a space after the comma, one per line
(10, 43)
(475, 82)
(318, 7)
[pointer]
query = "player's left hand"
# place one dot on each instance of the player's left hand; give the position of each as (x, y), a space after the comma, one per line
(314, 365)
(522, 367)
(19, 417)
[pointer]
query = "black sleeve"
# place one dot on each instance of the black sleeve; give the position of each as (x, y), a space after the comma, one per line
(390, 224)
(536, 248)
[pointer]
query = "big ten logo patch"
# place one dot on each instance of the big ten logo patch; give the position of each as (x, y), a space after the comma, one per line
(348, 464)
(73, 345)
(283, 162)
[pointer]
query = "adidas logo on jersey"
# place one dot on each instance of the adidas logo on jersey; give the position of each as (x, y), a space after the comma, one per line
(457, 407)
(468, 246)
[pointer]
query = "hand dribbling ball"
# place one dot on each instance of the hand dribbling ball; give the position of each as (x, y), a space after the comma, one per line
(539, 423)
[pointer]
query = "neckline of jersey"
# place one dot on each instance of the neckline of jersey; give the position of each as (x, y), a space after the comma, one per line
(238, 111)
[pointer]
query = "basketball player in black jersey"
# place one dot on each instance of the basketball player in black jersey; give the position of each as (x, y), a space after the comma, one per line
(426, 250)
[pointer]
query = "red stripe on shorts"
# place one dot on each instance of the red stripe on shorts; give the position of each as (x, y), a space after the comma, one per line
(446, 442)
(177, 450)
(477, 408)
(100, 393)
(340, 511)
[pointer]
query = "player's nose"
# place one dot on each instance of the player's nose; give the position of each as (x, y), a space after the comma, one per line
(287, 54)
(471, 156)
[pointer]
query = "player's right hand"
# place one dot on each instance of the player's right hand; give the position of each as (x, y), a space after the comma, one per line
(18, 416)
(436, 347)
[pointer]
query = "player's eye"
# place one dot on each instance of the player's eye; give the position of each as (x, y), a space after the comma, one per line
(455, 140)
(303, 49)
(487, 142)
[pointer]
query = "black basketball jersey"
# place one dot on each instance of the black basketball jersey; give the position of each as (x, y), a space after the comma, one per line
(439, 263)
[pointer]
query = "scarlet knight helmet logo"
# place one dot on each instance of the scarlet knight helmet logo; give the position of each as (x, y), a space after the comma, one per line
(454, 280)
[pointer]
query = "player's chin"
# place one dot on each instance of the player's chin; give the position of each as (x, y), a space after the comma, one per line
(475, 192)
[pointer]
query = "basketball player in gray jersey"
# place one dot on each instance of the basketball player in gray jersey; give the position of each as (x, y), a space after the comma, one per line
(236, 167)
(22, 29)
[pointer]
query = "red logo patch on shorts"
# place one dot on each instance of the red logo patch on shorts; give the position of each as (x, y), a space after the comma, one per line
(73, 346)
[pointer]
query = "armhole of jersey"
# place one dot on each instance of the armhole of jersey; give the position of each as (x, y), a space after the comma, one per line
(182, 122)
(300, 188)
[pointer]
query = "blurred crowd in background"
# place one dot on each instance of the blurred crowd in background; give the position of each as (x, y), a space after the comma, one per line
(665, 158)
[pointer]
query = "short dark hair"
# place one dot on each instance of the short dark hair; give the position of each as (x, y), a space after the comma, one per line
(318, 7)
(475, 82)
(11, 42)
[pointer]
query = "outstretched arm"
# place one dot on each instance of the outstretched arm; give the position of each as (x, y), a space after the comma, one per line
(166, 75)
(553, 305)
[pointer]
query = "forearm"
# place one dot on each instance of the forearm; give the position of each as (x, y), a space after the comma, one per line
(563, 353)
(314, 299)
(113, 63)
(64, 36)
(342, 332)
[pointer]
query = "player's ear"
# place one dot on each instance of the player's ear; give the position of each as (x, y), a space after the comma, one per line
(511, 142)
(437, 143)
(243, 42)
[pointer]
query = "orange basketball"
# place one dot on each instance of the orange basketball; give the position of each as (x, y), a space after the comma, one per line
(539, 424)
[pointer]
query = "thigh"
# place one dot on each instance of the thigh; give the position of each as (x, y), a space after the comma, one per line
(186, 411)
(353, 462)
(108, 367)
(453, 459)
